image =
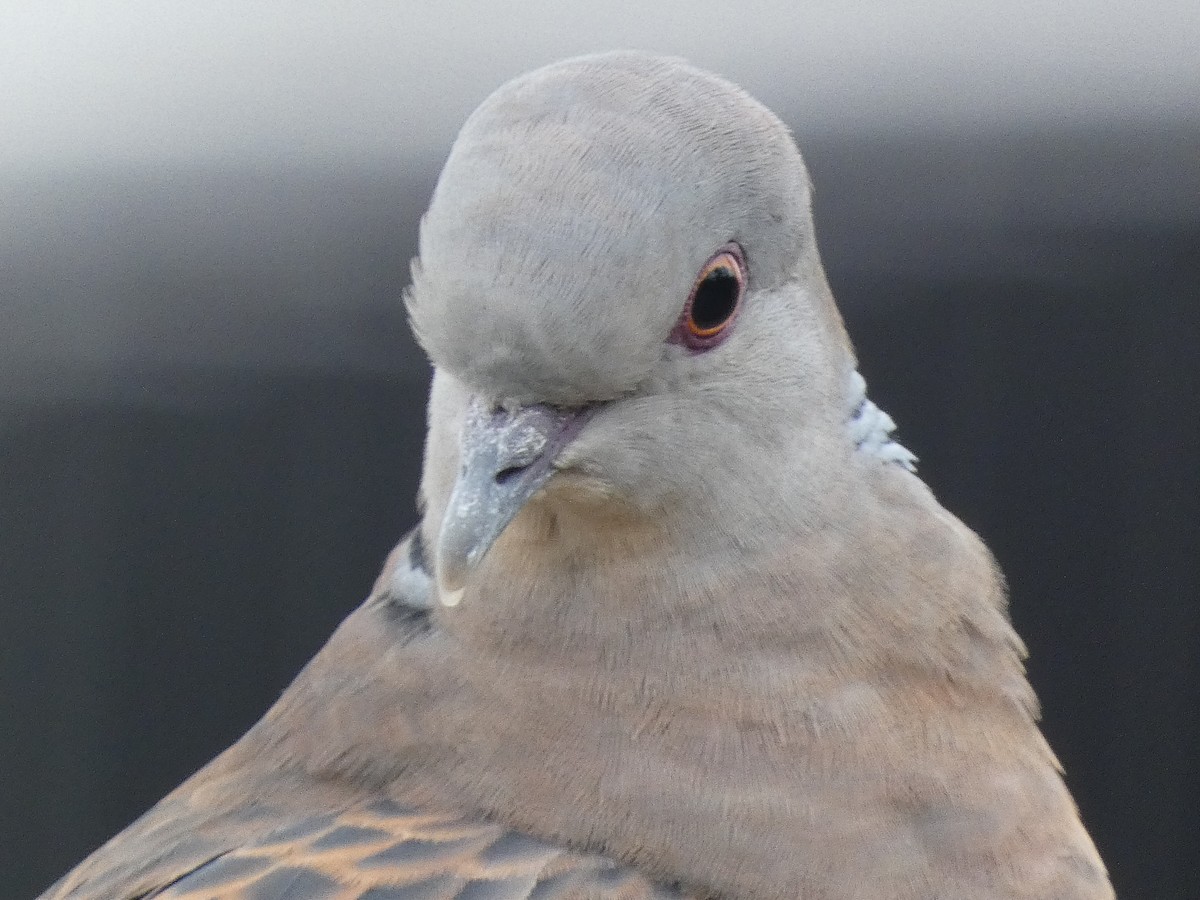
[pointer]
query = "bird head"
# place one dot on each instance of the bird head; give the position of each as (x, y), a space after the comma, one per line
(619, 288)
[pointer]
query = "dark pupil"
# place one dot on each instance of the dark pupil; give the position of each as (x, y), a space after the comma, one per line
(716, 296)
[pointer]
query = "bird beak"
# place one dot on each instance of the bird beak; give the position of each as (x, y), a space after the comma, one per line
(505, 456)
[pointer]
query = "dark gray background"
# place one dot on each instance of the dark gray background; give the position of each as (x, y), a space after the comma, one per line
(211, 411)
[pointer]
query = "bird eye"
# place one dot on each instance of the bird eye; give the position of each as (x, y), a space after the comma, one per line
(714, 301)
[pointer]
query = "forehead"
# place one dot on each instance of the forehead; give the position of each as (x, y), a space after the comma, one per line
(564, 167)
(583, 198)
(622, 156)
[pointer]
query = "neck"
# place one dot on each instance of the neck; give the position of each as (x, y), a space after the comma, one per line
(888, 698)
(620, 600)
(616, 679)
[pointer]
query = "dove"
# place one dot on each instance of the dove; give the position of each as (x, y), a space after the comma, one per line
(679, 618)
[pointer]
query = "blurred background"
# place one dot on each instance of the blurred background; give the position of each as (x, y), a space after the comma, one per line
(211, 410)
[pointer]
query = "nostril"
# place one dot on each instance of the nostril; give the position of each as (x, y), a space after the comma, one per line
(505, 475)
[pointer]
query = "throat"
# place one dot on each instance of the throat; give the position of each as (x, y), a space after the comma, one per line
(789, 681)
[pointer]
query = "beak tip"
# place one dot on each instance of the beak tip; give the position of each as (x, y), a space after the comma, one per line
(451, 598)
(451, 579)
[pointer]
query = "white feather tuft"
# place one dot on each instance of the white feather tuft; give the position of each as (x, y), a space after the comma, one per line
(871, 428)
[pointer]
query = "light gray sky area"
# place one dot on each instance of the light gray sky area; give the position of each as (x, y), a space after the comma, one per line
(144, 80)
(236, 183)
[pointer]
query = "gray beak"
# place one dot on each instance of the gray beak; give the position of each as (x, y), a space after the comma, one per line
(505, 456)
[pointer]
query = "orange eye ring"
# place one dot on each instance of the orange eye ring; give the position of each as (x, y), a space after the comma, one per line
(714, 301)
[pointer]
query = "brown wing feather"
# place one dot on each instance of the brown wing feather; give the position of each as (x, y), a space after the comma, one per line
(377, 850)
(382, 851)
